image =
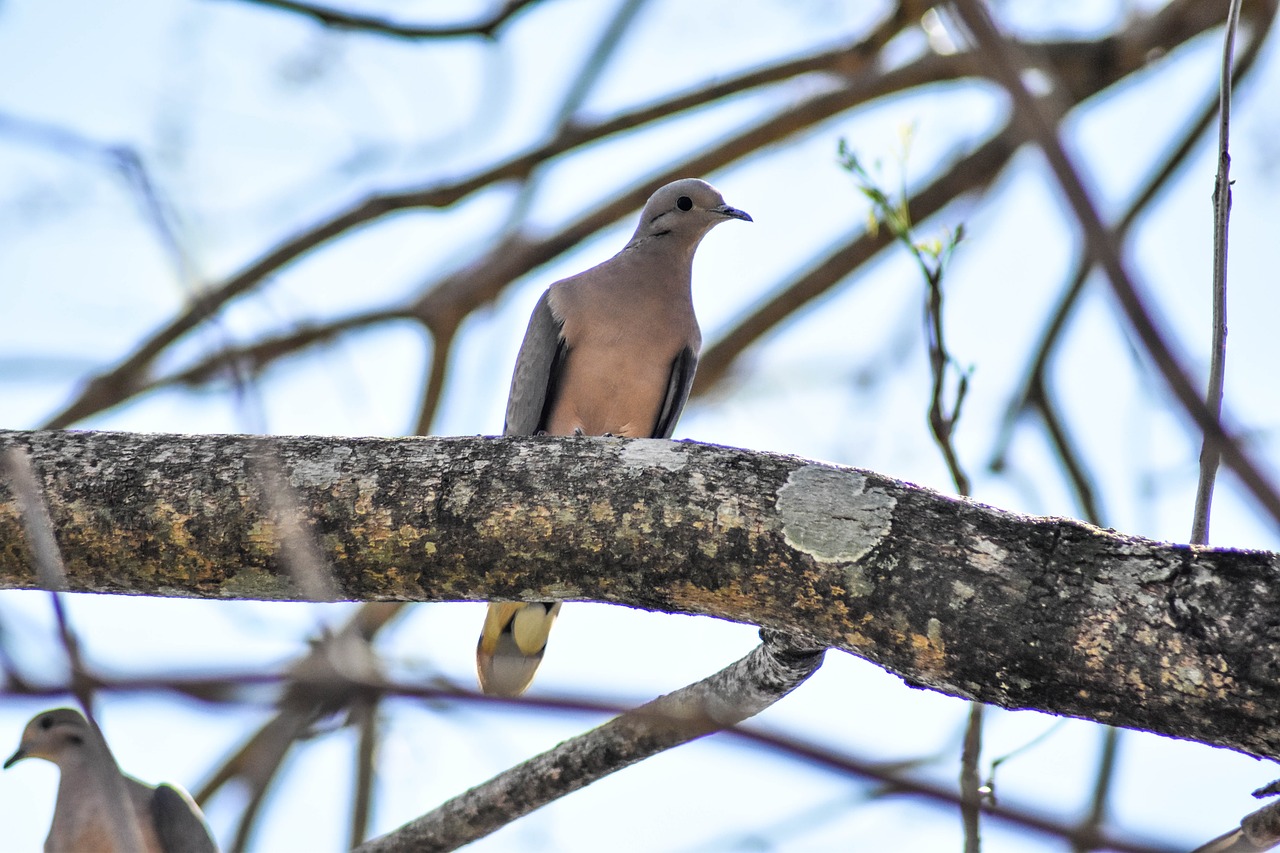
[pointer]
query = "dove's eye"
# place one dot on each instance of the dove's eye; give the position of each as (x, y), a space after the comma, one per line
(684, 203)
(46, 722)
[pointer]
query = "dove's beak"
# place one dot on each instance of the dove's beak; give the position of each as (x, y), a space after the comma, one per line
(733, 213)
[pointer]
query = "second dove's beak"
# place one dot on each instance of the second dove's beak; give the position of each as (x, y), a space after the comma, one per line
(15, 758)
(734, 213)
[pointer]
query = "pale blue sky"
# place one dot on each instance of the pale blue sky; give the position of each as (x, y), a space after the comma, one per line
(254, 123)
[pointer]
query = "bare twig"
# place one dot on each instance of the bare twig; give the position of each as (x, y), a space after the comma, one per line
(487, 27)
(327, 681)
(890, 779)
(971, 780)
(1209, 452)
(1072, 459)
(584, 81)
(237, 363)
(740, 691)
(970, 173)
(1258, 831)
(1106, 253)
(128, 376)
(1035, 394)
(37, 526)
(125, 161)
(941, 422)
(1091, 827)
(848, 66)
(364, 715)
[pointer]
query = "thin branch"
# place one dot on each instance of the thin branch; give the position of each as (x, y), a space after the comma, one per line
(1258, 831)
(1091, 827)
(364, 715)
(251, 359)
(326, 682)
(124, 379)
(1072, 459)
(315, 687)
(487, 27)
(125, 161)
(971, 792)
(46, 558)
(267, 751)
(774, 669)
(583, 82)
(442, 328)
(895, 216)
(1035, 393)
(850, 64)
(1209, 452)
(441, 349)
(1040, 128)
(970, 173)
(941, 422)
(889, 778)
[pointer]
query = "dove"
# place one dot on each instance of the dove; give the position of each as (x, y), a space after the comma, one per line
(609, 351)
(87, 815)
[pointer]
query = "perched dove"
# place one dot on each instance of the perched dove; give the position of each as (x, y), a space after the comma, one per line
(610, 351)
(86, 816)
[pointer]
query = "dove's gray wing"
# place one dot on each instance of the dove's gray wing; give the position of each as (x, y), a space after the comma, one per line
(534, 381)
(179, 824)
(682, 370)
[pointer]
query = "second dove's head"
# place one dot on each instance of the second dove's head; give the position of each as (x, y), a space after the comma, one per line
(52, 735)
(685, 209)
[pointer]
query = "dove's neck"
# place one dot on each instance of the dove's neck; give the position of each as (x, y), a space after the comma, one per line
(664, 262)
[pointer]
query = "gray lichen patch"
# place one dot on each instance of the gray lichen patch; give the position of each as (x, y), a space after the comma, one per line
(324, 470)
(832, 515)
(653, 453)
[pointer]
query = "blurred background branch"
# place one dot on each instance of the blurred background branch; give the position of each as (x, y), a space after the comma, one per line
(283, 216)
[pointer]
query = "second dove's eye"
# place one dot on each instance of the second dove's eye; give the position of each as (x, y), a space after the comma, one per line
(684, 203)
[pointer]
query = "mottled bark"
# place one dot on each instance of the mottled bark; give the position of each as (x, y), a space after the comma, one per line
(1017, 611)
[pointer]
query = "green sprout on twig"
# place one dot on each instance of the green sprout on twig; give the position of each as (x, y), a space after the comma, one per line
(891, 211)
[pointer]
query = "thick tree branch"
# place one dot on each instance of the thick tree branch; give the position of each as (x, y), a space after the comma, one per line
(1015, 611)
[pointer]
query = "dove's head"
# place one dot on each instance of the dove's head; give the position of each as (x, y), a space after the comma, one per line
(685, 210)
(54, 736)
